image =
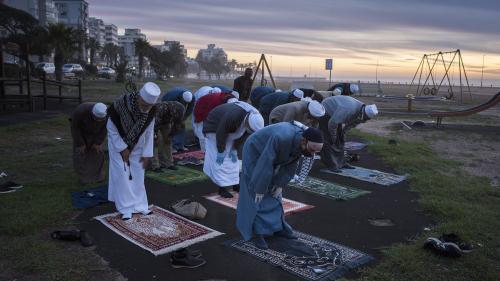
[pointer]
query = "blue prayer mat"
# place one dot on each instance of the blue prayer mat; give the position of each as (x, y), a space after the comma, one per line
(308, 257)
(90, 197)
(369, 175)
(354, 145)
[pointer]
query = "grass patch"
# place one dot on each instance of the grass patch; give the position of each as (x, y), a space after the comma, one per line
(459, 203)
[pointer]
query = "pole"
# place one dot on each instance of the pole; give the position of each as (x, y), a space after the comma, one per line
(482, 72)
(330, 83)
(376, 73)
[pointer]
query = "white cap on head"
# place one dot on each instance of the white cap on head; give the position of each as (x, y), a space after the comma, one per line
(278, 91)
(231, 100)
(316, 109)
(255, 121)
(99, 110)
(354, 88)
(235, 94)
(298, 93)
(307, 99)
(371, 111)
(187, 96)
(150, 92)
(337, 91)
(216, 90)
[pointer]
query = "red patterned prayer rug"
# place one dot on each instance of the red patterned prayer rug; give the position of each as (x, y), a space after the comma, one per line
(289, 206)
(198, 154)
(161, 232)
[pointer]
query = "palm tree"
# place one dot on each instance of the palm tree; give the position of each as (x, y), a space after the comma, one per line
(62, 40)
(94, 47)
(142, 49)
(109, 53)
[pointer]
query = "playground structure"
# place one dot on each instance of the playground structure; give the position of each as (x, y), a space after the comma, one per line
(433, 65)
(262, 66)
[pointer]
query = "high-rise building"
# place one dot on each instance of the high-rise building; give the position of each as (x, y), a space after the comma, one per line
(212, 52)
(42, 10)
(127, 41)
(111, 34)
(73, 13)
(97, 30)
(168, 44)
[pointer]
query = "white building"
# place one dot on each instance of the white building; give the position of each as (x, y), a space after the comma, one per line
(43, 10)
(111, 34)
(127, 42)
(97, 30)
(73, 13)
(168, 44)
(213, 52)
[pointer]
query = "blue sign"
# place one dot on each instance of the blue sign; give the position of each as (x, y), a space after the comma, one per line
(329, 64)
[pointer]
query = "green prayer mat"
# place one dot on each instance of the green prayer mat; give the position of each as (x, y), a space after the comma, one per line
(328, 189)
(183, 175)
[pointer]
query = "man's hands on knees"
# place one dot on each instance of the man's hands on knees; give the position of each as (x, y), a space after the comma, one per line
(145, 162)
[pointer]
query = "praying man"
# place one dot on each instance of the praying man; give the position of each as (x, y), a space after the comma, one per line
(225, 125)
(270, 158)
(342, 114)
(185, 97)
(130, 143)
(305, 112)
(271, 101)
(88, 129)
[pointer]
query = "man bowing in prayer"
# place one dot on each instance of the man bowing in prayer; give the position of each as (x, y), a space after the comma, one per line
(88, 129)
(342, 114)
(130, 143)
(270, 158)
(224, 126)
(306, 112)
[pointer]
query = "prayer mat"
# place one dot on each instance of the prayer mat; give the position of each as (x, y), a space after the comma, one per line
(289, 206)
(369, 175)
(161, 232)
(354, 145)
(194, 157)
(308, 257)
(90, 197)
(328, 189)
(183, 175)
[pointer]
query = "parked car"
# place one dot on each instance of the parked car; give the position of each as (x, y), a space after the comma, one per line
(45, 67)
(106, 72)
(70, 70)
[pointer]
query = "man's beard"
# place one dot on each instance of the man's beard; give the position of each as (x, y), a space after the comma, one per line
(307, 153)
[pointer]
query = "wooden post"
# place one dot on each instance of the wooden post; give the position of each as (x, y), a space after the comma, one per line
(410, 104)
(59, 88)
(79, 90)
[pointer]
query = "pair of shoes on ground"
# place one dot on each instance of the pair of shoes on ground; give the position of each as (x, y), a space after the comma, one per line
(73, 235)
(448, 245)
(186, 258)
(260, 242)
(9, 187)
(224, 192)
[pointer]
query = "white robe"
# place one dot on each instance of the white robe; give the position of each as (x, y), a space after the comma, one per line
(129, 195)
(198, 132)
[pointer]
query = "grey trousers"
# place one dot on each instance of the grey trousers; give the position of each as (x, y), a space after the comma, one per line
(332, 154)
(162, 152)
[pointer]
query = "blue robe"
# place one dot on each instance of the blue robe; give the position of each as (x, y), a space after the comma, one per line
(270, 158)
(175, 94)
(258, 93)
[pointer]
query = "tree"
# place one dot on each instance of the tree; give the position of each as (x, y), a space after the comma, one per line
(142, 49)
(93, 46)
(110, 53)
(62, 40)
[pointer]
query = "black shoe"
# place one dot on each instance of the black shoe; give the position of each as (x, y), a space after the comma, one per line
(11, 184)
(236, 188)
(224, 193)
(447, 249)
(186, 251)
(173, 168)
(286, 234)
(453, 238)
(183, 260)
(85, 239)
(66, 235)
(4, 189)
(260, 242)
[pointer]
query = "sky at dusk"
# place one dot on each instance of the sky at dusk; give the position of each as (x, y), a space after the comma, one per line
(299, 35)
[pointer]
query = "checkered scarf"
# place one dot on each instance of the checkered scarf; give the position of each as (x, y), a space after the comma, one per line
(132, 120)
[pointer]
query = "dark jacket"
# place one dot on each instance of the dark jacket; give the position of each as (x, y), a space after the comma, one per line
(271, 101)
(243, 85)
(84, 129)
(223, 120)
(176, 95)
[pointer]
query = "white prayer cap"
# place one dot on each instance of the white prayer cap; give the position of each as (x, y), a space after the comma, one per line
(255, 121)
(99, 110)
(354, 88)
(371, 111)
(235, 94)
(216, 90)
(307, 99)
(316, 109)
(231, 100)
(278, 91)
(150, 92)
(298, 93)
(187, 96)
(337, 92)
